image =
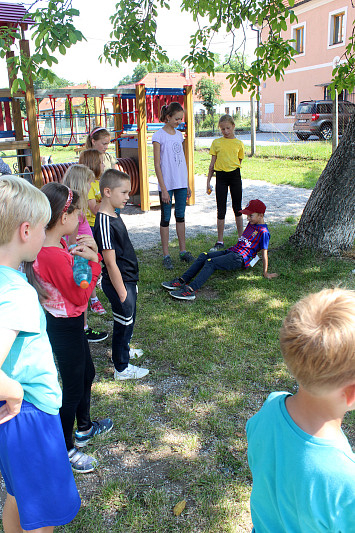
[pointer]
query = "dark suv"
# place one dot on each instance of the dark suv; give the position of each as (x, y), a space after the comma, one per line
(314, 117)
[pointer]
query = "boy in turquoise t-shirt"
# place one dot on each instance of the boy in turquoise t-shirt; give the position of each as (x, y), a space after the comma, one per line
(33, 456)
(302, 464)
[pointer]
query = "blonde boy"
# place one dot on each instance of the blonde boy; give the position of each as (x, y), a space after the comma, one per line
(302, 464)
(33, 457)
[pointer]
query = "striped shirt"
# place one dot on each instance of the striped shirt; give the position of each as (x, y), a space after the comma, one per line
(110, 233)
(255, 237)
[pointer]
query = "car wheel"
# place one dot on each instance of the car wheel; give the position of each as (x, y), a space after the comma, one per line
(326, 132)
(302, 136)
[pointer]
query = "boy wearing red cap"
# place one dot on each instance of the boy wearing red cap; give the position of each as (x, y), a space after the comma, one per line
(255, 238)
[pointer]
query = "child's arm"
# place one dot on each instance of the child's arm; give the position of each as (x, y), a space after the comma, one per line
(114, 273)
(210, 171)
(265, 265)
(93, 206)
(164, 193)
(10, 390)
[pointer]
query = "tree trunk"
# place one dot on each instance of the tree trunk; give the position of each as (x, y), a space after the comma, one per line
(327, 223)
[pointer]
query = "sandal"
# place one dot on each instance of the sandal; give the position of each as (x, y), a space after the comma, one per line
(80, 462)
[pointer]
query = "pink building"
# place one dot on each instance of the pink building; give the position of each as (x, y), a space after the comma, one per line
(321, 34)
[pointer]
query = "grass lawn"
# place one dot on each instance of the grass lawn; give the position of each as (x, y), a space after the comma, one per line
(179, 433)
(299, 165)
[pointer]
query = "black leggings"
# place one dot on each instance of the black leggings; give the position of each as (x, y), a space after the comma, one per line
(234, 182)
(77, 372)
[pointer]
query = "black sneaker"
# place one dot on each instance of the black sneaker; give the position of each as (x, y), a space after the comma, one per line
(98, 428)
(187, 257)
(173, 284)
(167, 263)
(186, 293)
(95, 336)
(217, 247)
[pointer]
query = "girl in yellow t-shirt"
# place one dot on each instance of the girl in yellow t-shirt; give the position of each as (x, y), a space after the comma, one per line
(227, 153)
(94, 161)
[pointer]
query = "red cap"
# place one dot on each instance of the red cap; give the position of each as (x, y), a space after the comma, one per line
(254, 206)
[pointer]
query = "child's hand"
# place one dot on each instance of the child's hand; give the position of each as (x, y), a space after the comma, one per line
(88, 240)
(268, 275)
(10, 409)
(165, 196)
(86, 252)
(188, 192)
(123, 294)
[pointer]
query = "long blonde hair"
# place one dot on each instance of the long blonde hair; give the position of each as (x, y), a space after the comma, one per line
(77, 178)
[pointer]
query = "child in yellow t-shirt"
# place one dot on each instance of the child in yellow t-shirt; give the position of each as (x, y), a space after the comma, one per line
(93, 160)
(227, 153)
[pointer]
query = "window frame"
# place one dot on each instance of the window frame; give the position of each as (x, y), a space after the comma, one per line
(286, 94)
(331, 27)
(294, 29)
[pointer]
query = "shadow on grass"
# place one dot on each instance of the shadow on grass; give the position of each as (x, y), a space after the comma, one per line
(179, 434)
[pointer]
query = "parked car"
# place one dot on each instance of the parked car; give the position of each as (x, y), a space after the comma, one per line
(314, 117)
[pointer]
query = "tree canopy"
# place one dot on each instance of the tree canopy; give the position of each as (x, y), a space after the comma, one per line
(209, 92)
(143, 68)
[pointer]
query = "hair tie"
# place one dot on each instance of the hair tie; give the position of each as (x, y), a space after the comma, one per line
(69, 200)
(95, 130)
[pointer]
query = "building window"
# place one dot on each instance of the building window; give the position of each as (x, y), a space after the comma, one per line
(337, 25)
(226, 110)
(298, 35)
(290, 104)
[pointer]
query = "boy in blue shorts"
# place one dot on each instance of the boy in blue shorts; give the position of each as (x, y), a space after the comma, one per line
(255, 238)
(33, 457)
(302, 464)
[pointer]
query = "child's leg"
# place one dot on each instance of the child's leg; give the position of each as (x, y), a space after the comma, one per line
(180, 196)
(10, 516)
(123, 322)
(164, 223)
(235, 187)
(198, 264)
(83, 410)
(221, 199)
(11, 519)
(225, 260)
(69, 344)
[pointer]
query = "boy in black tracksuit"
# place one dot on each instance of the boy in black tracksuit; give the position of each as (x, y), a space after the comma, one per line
(120, 271)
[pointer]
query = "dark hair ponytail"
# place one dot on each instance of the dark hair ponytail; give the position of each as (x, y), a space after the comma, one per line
(58, 195)
(170, 110)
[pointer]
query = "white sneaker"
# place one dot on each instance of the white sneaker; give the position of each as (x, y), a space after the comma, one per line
(134, 353)
(131, 372)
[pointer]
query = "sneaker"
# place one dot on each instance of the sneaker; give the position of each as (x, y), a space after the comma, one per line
(97, 307)
(98, 428)
(217, 247)
(134, 353)
(95, 336)
(183, 294)
(131, 372)
(173, 284)
(187, 257)
(80, 462)
(167, 263)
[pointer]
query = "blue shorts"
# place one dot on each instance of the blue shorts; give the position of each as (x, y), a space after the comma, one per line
(36, 470)
(180, 196)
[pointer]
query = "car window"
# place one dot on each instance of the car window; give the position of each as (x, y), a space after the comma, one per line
(324, 109)
(306, 107)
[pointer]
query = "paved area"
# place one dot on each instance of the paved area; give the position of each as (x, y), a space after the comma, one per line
(281, 201)
(262, 139)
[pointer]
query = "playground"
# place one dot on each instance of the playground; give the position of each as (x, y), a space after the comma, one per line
(179, 435)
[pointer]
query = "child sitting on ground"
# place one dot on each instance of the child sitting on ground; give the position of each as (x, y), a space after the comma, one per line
(120, 270)
(302, 464)
(255, 238)
(41, 491)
